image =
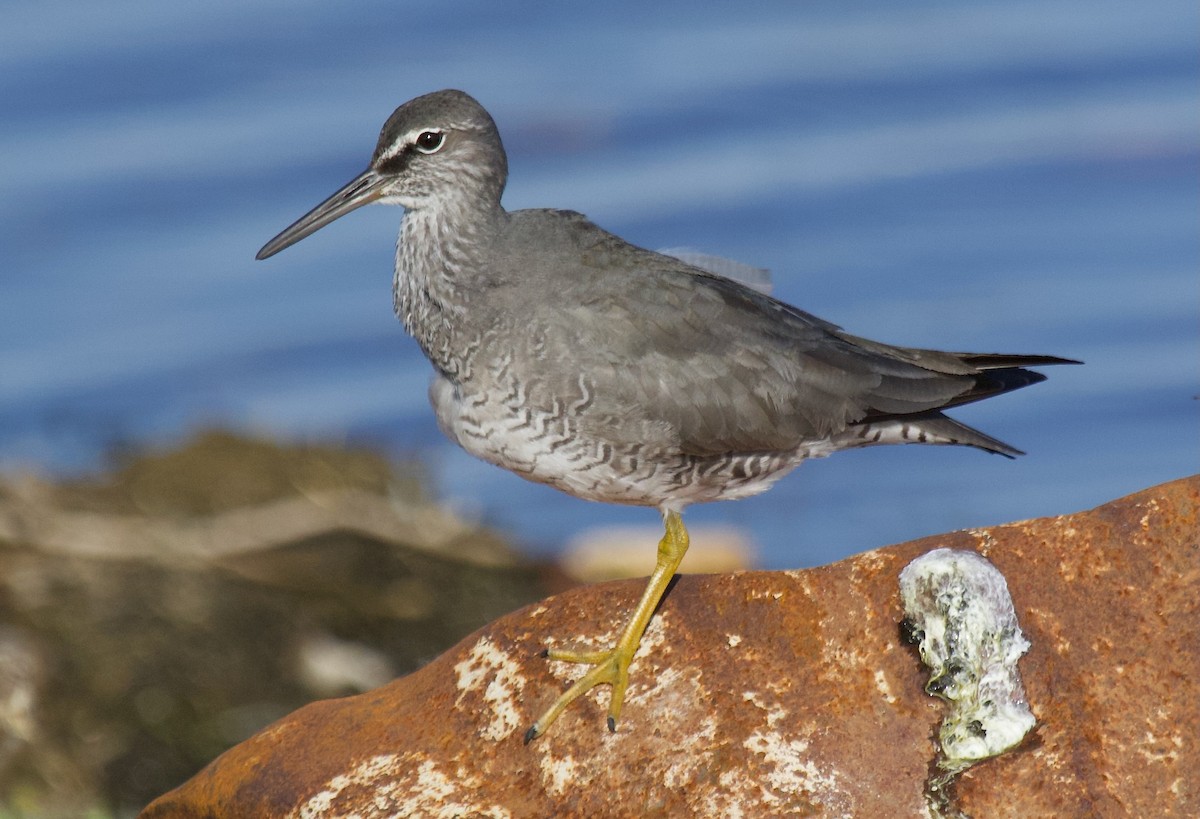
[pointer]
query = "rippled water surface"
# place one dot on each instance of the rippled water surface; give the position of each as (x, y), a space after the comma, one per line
(1014, 176)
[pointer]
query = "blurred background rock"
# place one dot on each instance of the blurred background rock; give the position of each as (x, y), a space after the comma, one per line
(157, 613)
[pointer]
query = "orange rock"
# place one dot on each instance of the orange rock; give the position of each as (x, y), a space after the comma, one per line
(778, 693)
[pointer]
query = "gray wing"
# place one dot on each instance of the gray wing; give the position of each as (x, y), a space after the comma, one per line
(676, 356)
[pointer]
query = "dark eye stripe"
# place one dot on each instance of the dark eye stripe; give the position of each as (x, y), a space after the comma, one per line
(395, 163)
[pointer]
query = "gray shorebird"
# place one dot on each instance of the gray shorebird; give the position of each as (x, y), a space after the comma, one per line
(616, 374)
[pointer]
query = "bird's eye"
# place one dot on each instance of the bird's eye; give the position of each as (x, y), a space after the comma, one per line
(430, 142)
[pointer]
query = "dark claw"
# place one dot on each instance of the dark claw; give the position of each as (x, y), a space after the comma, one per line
(612, 725)
(544, 653)
(531, 734)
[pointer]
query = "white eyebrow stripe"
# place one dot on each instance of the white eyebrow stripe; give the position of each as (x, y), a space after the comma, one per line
(410, 138)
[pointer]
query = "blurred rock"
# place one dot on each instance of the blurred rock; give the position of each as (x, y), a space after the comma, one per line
(779, 693)
(332, 667)
(617, 552)
(21, 674)
(154, 616)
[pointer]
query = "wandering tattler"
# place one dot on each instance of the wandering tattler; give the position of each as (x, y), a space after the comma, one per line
(573, 358)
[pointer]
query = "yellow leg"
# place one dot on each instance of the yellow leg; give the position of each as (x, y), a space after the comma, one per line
(612, 667)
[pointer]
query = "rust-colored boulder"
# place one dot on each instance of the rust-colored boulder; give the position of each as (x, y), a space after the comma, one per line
(778, 693)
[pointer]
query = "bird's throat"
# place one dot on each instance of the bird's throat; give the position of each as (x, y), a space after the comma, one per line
(441, 263)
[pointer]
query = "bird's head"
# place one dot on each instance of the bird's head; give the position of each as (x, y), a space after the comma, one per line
(436, 150)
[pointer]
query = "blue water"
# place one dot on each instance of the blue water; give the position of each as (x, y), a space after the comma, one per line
(1017, 176)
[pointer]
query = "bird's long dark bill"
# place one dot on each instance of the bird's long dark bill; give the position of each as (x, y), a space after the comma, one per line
(362, 190)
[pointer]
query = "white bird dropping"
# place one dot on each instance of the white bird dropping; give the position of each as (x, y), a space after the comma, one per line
(958, 610)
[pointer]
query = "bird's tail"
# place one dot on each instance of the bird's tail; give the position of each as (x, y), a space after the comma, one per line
(996, 374)
(1001, 373)
(922, 428)
(993, 361)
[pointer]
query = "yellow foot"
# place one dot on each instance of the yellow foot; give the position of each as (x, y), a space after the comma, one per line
(612, 667)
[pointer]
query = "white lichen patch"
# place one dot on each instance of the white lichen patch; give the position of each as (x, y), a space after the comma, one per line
(734, 640)
(398, 786)
(1162, 740)
(762, 594)
(367, 773)
(791, 772)
(957, 605)
(684, 746)
(869, 563)
(1051, 624)
(491, 668)
(882, 686)
(562, 773)
(844, 657)
(774, 711)
(1151, 511)
(687, 767)
(662, 684)
(984, 539)
(654, 639)
(791, 776)
(730, 800)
